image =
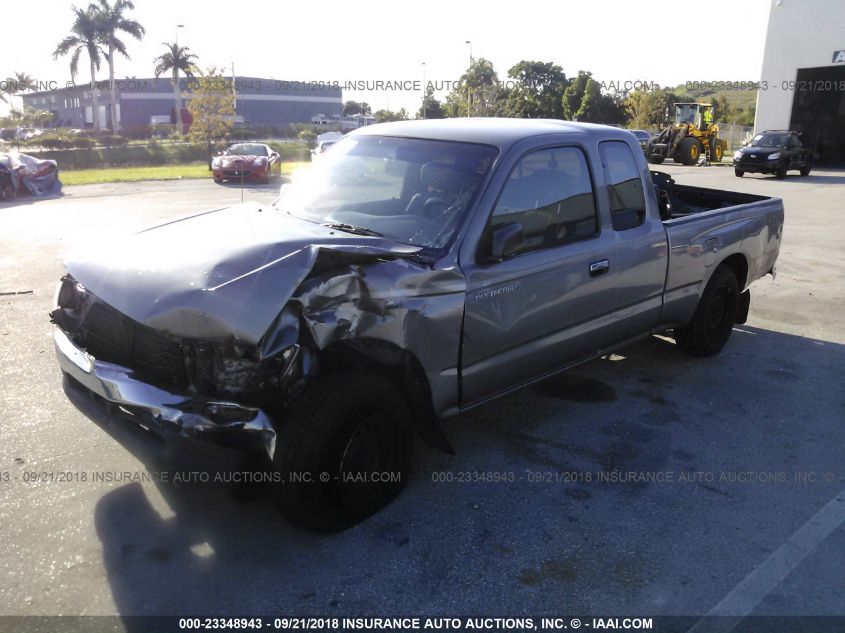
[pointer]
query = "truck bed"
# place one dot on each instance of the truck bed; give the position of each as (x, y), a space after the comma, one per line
(686, 200)
(708, 226)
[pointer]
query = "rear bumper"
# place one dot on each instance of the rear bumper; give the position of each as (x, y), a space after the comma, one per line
(228, 424)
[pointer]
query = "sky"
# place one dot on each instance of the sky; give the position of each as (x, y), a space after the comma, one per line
(403, 41)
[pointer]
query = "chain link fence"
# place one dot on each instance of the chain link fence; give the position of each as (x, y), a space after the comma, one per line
(734, 134)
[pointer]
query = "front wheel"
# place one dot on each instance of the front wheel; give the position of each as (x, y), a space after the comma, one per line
(805, 170)
(344, 452)
(689, 150)
(739, 173)
(780, 174)
(714, 318)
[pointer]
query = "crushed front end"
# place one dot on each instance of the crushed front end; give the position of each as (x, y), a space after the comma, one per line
(216, 391)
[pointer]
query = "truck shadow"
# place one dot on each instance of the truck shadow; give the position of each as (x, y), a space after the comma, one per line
(170, 549)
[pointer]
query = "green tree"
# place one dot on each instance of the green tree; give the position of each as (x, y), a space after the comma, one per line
(724, 111)
(431, 108)
(583, 101)
(478, 93)
(647, 108)
(590, 107)
(111, 22)
(356, 107)
(573, 95)
(26, 117)
(539, 90)
(745, 116)
(177, 59)
(84, 37)
(21, 82)
(212, 107)
(384, 116)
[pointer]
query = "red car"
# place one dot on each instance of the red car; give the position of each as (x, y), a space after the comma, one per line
(247, 161)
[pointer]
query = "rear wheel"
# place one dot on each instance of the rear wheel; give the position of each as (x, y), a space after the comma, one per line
(689, 151)
(714, 318)
(715, 150)
(739, 173)
(344, 452)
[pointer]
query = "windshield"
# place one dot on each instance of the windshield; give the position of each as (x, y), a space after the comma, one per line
(247, 149)
(686, 112)
(413, 191)
(769, 140)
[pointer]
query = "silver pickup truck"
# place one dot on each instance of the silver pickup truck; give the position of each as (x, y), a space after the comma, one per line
(419, 269)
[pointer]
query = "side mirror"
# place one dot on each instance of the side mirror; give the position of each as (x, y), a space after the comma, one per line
(274, 155)
(220, 153)
(507, 240)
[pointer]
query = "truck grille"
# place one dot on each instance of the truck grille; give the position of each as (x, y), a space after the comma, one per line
(114, 338)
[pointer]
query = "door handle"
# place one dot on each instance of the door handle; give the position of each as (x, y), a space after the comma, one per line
(599, 268)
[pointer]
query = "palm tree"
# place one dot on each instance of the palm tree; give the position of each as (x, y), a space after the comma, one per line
(177, 58)
(111, 21)
(14, 85)
(84, 37)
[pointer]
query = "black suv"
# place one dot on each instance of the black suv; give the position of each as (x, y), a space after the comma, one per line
(773, 152)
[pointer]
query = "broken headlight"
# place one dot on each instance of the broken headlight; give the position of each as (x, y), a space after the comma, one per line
(68, 303)
(221, 370)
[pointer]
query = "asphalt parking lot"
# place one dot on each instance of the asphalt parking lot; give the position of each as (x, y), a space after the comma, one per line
(754, 440)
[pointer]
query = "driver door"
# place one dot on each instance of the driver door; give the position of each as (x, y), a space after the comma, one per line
(549, 302)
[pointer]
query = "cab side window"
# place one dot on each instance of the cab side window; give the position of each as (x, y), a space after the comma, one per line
(624, 185)
(550, 194)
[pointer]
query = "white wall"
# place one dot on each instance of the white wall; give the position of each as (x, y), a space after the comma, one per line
(801, 34)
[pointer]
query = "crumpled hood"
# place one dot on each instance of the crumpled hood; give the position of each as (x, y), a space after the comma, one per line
(227, 272)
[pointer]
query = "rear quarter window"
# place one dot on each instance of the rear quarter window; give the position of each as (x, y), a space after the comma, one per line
(624, 185)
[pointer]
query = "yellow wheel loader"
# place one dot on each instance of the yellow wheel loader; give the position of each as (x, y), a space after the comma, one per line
(691, 135)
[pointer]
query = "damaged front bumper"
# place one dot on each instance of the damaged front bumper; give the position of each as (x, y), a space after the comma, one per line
(226, 424)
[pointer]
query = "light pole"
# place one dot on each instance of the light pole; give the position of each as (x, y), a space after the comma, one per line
(423, 90)
(178, 26)
(469, 94)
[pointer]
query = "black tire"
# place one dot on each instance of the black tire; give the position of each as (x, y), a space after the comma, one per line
(738, 173)
(714, 318)
(348, 423)
(805, 170)
(689, 151)
(655, 159)
(780, 174)
(715, 150)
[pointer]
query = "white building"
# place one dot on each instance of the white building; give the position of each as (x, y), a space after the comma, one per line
(803, 76)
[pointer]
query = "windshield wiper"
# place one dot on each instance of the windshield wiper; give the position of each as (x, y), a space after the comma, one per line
(351, 228)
